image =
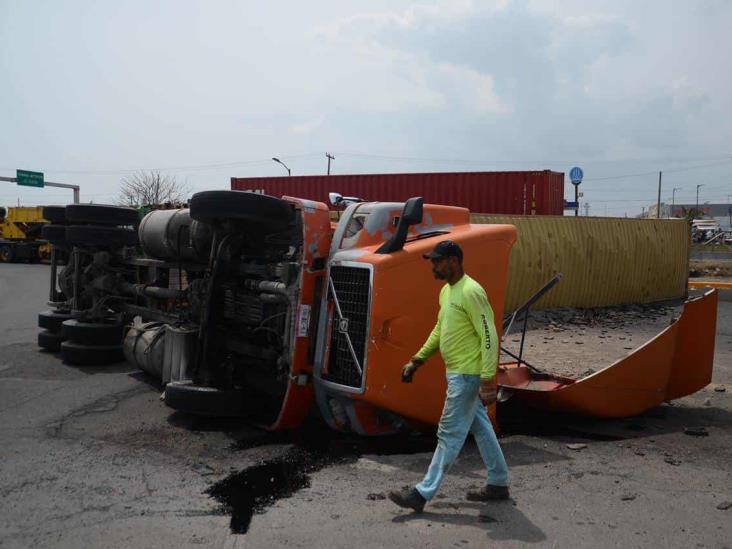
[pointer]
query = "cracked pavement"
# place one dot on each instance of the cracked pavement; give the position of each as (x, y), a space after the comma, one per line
(90, 457)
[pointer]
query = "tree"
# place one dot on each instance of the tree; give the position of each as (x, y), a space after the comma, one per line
(690, 214)
(151, 188)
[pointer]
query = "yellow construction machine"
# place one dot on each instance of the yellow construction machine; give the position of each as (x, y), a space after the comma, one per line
(20, 235)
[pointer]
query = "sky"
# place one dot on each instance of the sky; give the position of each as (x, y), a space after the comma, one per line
(204, 91)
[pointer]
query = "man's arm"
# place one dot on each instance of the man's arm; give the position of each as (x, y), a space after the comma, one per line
(432, 344)
(481, 316)
(429, 348)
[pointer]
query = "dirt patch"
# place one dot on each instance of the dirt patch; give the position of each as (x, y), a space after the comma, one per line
(579, 342)
(703, 268)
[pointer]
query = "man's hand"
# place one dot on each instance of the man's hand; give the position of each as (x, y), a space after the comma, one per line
(488, 391)
(410, 368)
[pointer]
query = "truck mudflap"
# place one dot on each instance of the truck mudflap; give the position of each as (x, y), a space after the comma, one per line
(675, 363)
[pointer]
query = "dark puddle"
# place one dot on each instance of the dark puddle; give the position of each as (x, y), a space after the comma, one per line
(518, 420)
(256, 488)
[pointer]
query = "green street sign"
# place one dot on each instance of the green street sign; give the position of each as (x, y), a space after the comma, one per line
(29, 179)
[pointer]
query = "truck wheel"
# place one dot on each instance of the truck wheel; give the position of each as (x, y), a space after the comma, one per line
(52, 320)
(101, 215)
(186, 397)
(90, 355)
(111, 237)
(93, 333)
(49, 341)
(55, 234)
(7, 253)
(267, 212)
(55, 214)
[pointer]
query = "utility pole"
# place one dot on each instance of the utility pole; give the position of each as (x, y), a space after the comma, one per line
(658, 202)
(643, 211)
(329, 157)
(729, 210)
(697, 197)
(673, 199)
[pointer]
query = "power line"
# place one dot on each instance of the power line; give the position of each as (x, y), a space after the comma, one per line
(627, 176)
(124, 171)
(515, 161)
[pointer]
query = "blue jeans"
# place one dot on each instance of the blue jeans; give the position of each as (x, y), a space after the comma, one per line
(463, 412)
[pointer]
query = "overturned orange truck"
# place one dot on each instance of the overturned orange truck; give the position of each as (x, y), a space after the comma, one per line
(261, 307)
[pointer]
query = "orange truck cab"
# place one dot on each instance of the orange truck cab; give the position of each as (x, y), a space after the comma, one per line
(380, 304)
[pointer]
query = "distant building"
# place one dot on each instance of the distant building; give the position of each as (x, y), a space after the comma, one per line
(719, 212)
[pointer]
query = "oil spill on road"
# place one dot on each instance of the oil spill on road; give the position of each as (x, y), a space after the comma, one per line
(256, 488)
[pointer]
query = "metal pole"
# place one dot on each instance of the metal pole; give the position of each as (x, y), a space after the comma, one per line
(283, 164)
(330, 157)
(697, 197)
(729, 211)
(658, 202)
(74, 188)
(673, 199)
(54, 262)
(576, 200)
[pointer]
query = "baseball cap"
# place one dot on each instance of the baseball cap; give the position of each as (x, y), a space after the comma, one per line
(446, 248)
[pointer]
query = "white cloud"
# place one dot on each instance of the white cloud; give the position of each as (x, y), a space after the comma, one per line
(305, 127)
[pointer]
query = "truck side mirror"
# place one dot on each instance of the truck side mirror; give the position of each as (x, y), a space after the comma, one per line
(335, 198)
(411, 215)
(412, 212)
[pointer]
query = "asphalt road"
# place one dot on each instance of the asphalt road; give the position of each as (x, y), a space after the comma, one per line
(89, 457)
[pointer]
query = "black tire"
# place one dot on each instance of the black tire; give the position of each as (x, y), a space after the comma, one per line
(186, 397)
(93, 333)
(55, 214)
(55, 234)
(7, 253)
(101, 215)
(52, 320)
(266, 212)
(49, 341)
(109, 237)
(90, 355)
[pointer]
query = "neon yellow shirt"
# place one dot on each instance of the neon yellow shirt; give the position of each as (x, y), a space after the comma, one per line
(465, 332)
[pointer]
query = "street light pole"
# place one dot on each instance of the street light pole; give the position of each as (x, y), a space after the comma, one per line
(283, 164)
(673, 199)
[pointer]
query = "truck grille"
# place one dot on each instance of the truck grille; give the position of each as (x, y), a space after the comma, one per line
(352, 286)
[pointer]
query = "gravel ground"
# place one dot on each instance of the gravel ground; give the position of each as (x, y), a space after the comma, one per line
(576, 343)
(89, 457)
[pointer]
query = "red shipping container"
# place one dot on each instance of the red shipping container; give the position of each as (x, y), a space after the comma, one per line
(521, 193)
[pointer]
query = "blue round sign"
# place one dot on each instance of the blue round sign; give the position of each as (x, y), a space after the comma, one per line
(575, 175)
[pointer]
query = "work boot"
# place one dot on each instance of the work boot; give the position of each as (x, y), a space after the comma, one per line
(489, 492)
(408, 498)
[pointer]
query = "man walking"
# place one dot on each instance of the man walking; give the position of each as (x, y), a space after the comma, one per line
(465, 335)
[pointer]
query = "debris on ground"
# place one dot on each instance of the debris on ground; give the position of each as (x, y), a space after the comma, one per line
(577, 446)
(672, 461)
(696, 431)
(203, 469)
(720, 389)
(628, 497)
(725, 505)
(375, 497)
(590, 337)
